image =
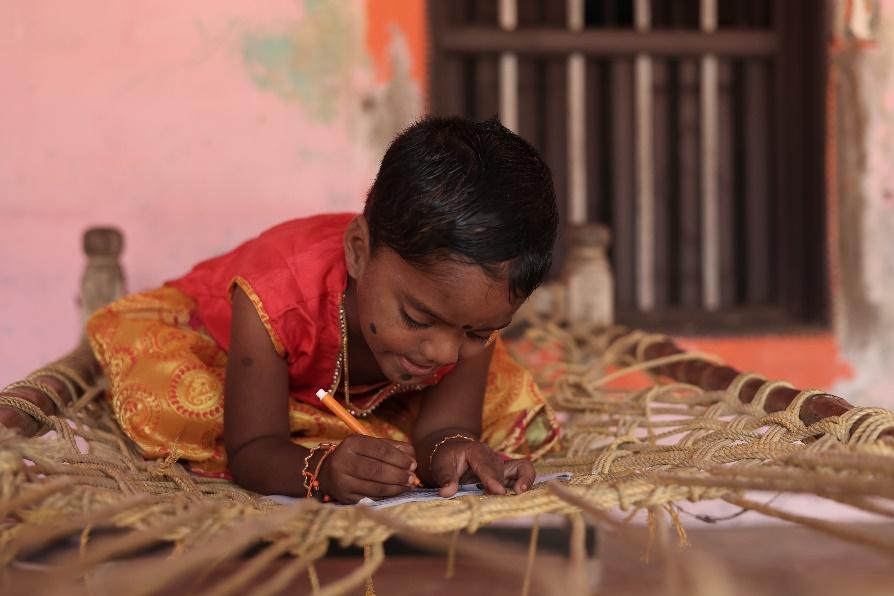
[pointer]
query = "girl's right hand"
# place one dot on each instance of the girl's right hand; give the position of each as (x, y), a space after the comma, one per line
(367, 467)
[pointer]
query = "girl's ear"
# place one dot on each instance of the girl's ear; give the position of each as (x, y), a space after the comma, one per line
(356, 242)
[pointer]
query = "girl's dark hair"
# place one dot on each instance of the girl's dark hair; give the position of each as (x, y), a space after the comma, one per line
(474, 192)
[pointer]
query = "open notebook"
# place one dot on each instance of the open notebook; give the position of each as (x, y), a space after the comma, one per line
(427, 494)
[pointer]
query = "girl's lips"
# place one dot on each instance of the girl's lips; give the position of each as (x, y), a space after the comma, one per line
(415, 369)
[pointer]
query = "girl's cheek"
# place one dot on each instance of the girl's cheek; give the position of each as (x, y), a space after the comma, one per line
(470, 349)
(397, 338)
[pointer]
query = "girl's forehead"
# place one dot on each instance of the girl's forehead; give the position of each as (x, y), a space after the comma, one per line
(462, 293)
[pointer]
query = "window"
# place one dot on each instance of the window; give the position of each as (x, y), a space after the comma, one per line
(693, 129)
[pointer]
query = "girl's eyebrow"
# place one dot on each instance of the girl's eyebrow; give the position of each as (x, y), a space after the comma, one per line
(424, 309)
(429, 313)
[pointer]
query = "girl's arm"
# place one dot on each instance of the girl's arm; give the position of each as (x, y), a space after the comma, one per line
(256, 409)
(257, 437)
(453, 407)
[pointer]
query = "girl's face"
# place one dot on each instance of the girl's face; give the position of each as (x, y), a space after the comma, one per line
(415, 320)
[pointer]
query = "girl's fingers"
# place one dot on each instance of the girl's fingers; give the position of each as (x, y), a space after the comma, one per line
(489, 471)
(522, 472)
(361, 464)
(395, 453)
(475, 457)
(468, 477)
(449, 489)
(405, 447)
(446, 471)
(367, 468)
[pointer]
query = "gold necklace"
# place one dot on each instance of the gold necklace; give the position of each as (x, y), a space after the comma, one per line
(341, 366)
(343, 323)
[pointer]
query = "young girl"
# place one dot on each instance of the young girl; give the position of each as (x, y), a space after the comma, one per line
(396, 312)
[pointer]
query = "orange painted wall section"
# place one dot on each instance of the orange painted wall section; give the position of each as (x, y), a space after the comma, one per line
(806, 361)
(408, 16)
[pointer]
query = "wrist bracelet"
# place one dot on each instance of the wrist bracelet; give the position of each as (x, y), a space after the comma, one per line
(444, 440)
(323, 497)
(311, 482)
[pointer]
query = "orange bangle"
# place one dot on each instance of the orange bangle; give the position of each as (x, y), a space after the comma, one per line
(444, 440)
(311, 483)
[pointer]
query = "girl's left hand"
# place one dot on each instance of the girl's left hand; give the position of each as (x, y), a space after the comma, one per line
(458, 460)
(520, 472)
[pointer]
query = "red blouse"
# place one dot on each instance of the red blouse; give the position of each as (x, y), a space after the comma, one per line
(295, 276)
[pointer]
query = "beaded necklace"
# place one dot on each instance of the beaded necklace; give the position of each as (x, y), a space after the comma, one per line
(341, 370)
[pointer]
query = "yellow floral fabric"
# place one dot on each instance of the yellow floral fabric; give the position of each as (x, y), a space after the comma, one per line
(166, 377)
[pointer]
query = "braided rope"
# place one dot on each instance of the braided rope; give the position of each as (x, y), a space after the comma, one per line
(633, 450)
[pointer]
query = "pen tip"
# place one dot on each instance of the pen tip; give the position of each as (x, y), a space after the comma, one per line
(321, 393)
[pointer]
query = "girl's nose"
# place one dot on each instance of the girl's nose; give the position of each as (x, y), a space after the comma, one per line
(442, 348)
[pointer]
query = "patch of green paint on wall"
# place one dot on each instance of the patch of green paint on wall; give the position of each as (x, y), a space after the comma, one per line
(311, 60)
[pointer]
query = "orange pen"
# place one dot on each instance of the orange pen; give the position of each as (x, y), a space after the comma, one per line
(354, 424)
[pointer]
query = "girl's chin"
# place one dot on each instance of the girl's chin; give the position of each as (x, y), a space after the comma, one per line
(393, 369)
(398, 374)
(401, 376)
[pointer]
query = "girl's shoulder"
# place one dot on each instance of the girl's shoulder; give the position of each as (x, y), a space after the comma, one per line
(294, 262)
(305, 255)
(295, 275)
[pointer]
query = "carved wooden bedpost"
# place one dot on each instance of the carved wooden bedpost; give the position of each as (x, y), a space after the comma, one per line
(589, 286)
(585, 292)
(103, 279)
(25, 404)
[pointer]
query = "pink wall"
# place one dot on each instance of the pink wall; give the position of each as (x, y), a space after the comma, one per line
(190, 125)
(195, 125)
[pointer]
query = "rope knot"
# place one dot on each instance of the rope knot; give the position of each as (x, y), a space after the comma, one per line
(163, 467)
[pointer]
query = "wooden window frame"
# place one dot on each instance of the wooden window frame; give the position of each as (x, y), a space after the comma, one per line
(796, 45)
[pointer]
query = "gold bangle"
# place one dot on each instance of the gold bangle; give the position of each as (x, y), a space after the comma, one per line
(444, 440)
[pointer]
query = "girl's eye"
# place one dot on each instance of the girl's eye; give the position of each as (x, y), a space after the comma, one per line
(477, 337)
(412, 323)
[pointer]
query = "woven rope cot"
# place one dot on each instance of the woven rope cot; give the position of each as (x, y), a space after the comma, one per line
(649, 449)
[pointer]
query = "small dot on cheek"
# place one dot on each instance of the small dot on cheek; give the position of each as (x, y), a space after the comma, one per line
(372, 327)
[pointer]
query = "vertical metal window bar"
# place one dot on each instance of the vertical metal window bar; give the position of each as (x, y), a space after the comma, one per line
(645, 167)
(508, 20)
(577, 172)
(709, 165)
